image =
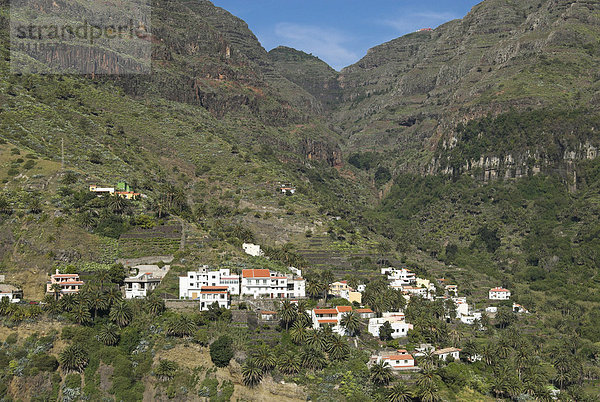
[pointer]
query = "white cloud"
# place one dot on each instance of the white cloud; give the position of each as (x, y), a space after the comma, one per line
(328, 44)
(413, 21)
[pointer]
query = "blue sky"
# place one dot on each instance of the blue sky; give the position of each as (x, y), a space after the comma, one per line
(340, 31)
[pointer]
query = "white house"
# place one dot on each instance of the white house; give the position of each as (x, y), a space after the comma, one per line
(491, 310)
(470, 319)
(287, 189)
(365, 313)
(400, 327)
(252, 249)
(270, 284)
(267, 315)
(139, 285)
(10, 292)
(100, 191)
(210, 295)
(398, 360)
(332, 317)
(443, 354)
(401, 276)
(499, 294)
(66, 283)
(418, 291)
(191, 284)
(517, 308)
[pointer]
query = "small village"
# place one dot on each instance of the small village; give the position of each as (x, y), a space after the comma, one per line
(269, 293)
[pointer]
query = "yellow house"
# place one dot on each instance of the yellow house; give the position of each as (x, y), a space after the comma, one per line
(355, 297)
(423, 283)
(337, 288)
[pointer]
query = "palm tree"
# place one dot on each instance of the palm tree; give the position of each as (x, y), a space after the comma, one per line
(181, 326)
(113, 295)
(98, 301)
(121, 313)
(56, 290)
(109, 334)
(68, 302)
(251, 373)
(381, 374)
(488, 353)
(317, 339)
(314, 289)
(4, 306)
(428, 392)
(312, 358)
(350, 322)
(73, 358)
(298, 333)
(264, 358)
(399, 393)
(287, 313)
(338, 348)
(289, 363)
(155, 305)
(81, 314)
(428, 360)
(116, 204)
(166, 370)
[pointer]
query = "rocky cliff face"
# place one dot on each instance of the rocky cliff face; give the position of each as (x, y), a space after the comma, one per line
(406, 97)
(309, 73)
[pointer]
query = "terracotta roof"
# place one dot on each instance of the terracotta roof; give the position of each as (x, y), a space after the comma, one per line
(364, 310)
(326, 311)
(256, 273)
(327, 321)
(71, 283)
(212, 292)
(65, 275)
(279, 277)
(265, 312)
(214, 288)
(499, 290)
(344, 309)
(399, 357)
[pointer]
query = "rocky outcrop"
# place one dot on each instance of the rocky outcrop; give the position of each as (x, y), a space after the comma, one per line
(322, 151)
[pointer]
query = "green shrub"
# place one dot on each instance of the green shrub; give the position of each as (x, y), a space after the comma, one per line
(221, 351)
(73, 381)
(12, 339)
(44, 362)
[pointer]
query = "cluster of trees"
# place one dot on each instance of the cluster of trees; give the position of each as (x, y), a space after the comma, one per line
(309, 349)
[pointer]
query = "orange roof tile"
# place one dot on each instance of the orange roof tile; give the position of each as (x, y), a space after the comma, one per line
(364, 310)
(400, 357)
(344, 309)
(256, 273)
(268, 312)
(327, 321)
(214, 288)
(326, 311)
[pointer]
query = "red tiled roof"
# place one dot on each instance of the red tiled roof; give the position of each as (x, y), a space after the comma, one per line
(364, 310)
(265, 312)
(344, 309)
(214, 288)
(400, 357)
(327, 321)
(326, 311)
(256, 273)
(499, 290)
(71, 283)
